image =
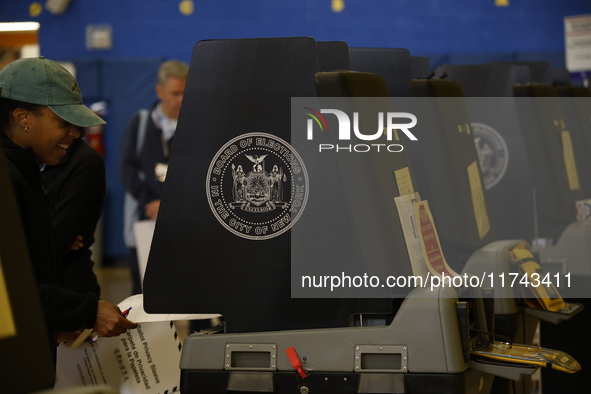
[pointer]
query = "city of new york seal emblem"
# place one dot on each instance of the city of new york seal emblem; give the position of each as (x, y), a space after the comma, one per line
(257, 186)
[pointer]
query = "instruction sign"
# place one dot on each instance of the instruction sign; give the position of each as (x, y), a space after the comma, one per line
(577, 35)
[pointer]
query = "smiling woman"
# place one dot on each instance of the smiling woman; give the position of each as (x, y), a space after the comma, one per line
(43, 131)
(41, 112)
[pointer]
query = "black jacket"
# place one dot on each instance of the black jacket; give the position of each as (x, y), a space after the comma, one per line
(76, 189)
(63, 310)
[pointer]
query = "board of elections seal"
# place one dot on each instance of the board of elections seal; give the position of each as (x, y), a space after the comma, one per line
(492, 153)
(257, 186)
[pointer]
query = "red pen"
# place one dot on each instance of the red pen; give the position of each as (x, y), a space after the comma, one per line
(125, 312)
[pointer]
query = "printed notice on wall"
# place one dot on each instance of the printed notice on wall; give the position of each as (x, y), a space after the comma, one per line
(577, 38)
(144, 360)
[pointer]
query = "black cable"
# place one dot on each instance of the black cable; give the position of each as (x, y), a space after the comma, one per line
(504, 338)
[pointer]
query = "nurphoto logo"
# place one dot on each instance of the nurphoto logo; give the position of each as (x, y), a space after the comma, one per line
(387, 125)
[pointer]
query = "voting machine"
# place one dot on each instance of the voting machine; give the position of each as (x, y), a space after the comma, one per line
(223, 244)
(516, 205)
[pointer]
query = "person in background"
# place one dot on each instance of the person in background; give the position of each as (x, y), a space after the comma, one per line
(41, 111)
(143, 165)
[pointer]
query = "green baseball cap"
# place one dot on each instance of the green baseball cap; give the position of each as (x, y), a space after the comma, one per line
(44, 82)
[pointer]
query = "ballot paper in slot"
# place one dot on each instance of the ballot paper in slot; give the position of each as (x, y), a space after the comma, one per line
(430, 244)
(422, 241)
(405, 205)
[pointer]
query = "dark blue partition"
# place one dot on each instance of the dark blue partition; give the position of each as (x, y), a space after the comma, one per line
(333, 55)
(393, 64)
(505, 168)
(218, 248)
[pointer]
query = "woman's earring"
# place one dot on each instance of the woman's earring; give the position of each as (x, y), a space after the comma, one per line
(26, 129)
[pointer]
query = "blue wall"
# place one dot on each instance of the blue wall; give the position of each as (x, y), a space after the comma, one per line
(147, 31)
(147, 28)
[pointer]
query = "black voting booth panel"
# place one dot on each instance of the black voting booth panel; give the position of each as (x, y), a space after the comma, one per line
(333, 55)
(576, 107)
(560, 77)
(428, 328)
(352, 84)
(420, 67)
(557, 185)
(443, 178)
(26, 364)
(546, 109)
(393, 64)
(199, 264)
(486, 80)
(378, 169)
(501, 148)
(540, 72)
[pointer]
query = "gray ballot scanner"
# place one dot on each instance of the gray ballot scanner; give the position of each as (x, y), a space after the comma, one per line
(545, 112)
(508, 180)
(212, 252)
(448, 151)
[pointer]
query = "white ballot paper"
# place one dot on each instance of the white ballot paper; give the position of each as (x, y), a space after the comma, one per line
(144, 360)
(135, 304)
(138, 315)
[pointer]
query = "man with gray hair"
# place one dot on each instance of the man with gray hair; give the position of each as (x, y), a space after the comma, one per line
(144, 154)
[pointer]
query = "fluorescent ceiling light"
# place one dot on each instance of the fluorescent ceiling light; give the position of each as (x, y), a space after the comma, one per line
(19, 26)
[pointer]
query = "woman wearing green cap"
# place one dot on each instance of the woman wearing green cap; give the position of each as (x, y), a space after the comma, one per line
(41, 111)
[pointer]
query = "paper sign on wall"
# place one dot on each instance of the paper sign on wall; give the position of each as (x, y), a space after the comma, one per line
(577, 37)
